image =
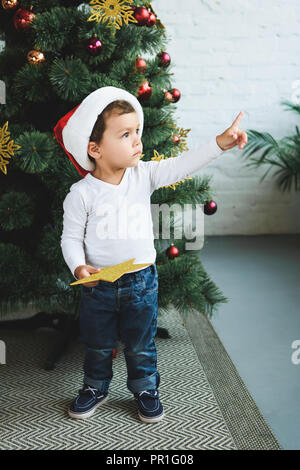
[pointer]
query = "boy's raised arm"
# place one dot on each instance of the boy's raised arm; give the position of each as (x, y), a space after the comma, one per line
(74, 222)
(173, 169)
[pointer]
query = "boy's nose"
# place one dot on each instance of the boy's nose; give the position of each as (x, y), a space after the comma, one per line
(137, 143)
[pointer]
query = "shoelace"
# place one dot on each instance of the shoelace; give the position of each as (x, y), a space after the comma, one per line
(154, 392)
(89, 389)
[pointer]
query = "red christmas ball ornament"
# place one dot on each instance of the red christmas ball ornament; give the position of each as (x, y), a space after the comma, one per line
(145, 91)
(176, 94)
(23, 19)
(164, 59)
(172, 252)
(140, 65)
(176, 139)
(152, 20)
(169, 96)
(94, 46)
(142, 15)
(210, 207)
(9, 4)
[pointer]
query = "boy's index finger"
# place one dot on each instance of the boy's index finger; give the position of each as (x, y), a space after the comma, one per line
(238, 119)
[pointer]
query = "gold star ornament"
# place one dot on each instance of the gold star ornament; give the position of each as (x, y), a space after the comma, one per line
(112, 273)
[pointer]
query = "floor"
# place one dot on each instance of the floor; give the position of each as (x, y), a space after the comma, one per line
(260, 276)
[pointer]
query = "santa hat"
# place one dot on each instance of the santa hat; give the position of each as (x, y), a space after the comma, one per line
(74, 129)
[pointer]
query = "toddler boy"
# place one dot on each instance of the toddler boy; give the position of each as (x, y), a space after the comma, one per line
(107, 220)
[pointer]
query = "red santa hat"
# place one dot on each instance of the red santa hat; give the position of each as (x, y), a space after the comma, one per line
(74, 129)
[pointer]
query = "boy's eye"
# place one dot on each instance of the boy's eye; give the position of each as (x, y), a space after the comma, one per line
(128, 133)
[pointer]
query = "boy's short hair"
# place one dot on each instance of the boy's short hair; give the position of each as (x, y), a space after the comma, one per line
(116, 107)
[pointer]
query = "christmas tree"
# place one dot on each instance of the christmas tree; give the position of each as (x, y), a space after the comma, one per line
(55, 53)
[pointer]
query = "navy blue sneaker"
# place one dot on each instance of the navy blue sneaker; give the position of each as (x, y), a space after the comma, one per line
(84, 405)
(150, 409)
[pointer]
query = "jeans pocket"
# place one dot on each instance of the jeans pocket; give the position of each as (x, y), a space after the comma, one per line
(151, 283)
(138, 290)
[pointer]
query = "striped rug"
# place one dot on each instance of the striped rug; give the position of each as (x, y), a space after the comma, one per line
(206, 404)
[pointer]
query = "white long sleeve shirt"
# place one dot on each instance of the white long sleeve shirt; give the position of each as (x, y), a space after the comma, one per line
(106, 224)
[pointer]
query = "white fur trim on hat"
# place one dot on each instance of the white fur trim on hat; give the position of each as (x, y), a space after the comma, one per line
(77, 131)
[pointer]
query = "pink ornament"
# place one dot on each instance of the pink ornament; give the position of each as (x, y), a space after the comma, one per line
(94, 46)
(176, 94)
(164, 59)
(210, 207)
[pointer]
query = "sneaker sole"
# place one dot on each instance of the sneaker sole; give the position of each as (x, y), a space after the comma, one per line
(155, 419)
(86, 414)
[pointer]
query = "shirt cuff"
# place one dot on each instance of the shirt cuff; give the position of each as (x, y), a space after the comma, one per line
(73, 265)
(214, 147)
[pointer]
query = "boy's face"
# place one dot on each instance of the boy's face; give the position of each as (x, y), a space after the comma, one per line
(120, 141)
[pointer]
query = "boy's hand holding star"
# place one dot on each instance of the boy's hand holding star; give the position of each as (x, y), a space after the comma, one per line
(233, 135)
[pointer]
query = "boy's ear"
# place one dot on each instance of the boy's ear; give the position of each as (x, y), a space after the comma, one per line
(93, 148)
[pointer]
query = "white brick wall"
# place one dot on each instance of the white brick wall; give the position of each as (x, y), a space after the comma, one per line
(229, 56)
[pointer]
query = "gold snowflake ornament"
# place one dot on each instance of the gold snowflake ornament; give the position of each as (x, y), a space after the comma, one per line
(7, 147)
(112, 10)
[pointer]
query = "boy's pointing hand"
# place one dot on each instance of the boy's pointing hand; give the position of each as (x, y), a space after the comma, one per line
(233, 135)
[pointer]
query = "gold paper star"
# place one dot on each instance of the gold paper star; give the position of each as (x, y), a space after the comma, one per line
(112, 273)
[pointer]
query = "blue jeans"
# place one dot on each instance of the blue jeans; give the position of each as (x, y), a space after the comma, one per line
(125, 310)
